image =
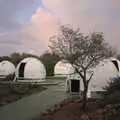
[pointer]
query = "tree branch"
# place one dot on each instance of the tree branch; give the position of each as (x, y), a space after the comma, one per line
(81, 75)
(90, 78)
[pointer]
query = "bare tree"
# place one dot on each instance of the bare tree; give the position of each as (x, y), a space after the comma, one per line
(82, 51)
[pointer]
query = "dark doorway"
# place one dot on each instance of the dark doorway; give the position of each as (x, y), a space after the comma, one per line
(75, 85)
(21, 69)
(116, 64)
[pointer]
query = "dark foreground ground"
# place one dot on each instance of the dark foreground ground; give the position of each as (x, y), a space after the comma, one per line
(10, 93)
(72, 110)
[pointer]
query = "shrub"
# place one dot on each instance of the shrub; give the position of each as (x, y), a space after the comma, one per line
(113, 86)
(113, 98)
(112, 92)
(9, 77)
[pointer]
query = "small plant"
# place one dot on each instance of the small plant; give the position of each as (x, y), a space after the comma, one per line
(113, 86)
(112, 92)
(10, 77)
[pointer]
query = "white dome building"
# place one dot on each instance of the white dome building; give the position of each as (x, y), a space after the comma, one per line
(103, 74)
(30, 70)
(6, 68)
(63, 68)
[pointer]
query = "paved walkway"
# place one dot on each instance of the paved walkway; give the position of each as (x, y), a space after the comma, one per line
(33, 105)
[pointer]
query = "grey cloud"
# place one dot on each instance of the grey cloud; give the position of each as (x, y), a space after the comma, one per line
(8, 41)
(26, 46)
(6, 49)
(11, 39)
(9, 9)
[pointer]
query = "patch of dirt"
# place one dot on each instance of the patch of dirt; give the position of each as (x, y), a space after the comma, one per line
(11, 93)
(72, 110)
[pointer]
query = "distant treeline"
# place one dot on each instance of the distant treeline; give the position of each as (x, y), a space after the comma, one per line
(49, 60)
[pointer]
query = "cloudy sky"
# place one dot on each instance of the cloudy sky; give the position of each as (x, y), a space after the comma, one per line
(26, 25)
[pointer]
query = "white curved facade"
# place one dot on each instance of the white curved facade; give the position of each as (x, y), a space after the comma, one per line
(6, 68)
(30, 70)
(63, 68)
(103, 74)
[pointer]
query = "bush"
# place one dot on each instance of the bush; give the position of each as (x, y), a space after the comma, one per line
(113, 86)
(10, 77)
(112, 92)
(113, 98)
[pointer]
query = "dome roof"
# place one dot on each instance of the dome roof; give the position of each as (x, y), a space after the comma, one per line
(63, 68)
(104, 73)
(6, 68)
(30, 69)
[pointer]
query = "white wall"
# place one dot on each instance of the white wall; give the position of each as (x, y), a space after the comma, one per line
(6, 68)
(34, 69)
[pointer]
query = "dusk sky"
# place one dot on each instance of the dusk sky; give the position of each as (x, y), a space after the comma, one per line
(26, 25)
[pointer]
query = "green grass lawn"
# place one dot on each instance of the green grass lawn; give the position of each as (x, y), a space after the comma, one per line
(10, 93)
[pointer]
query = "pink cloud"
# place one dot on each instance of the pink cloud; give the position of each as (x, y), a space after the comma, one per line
(89, 15)
(42, 26)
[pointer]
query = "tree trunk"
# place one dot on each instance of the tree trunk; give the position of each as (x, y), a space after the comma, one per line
(84, 99)
(85, 91)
